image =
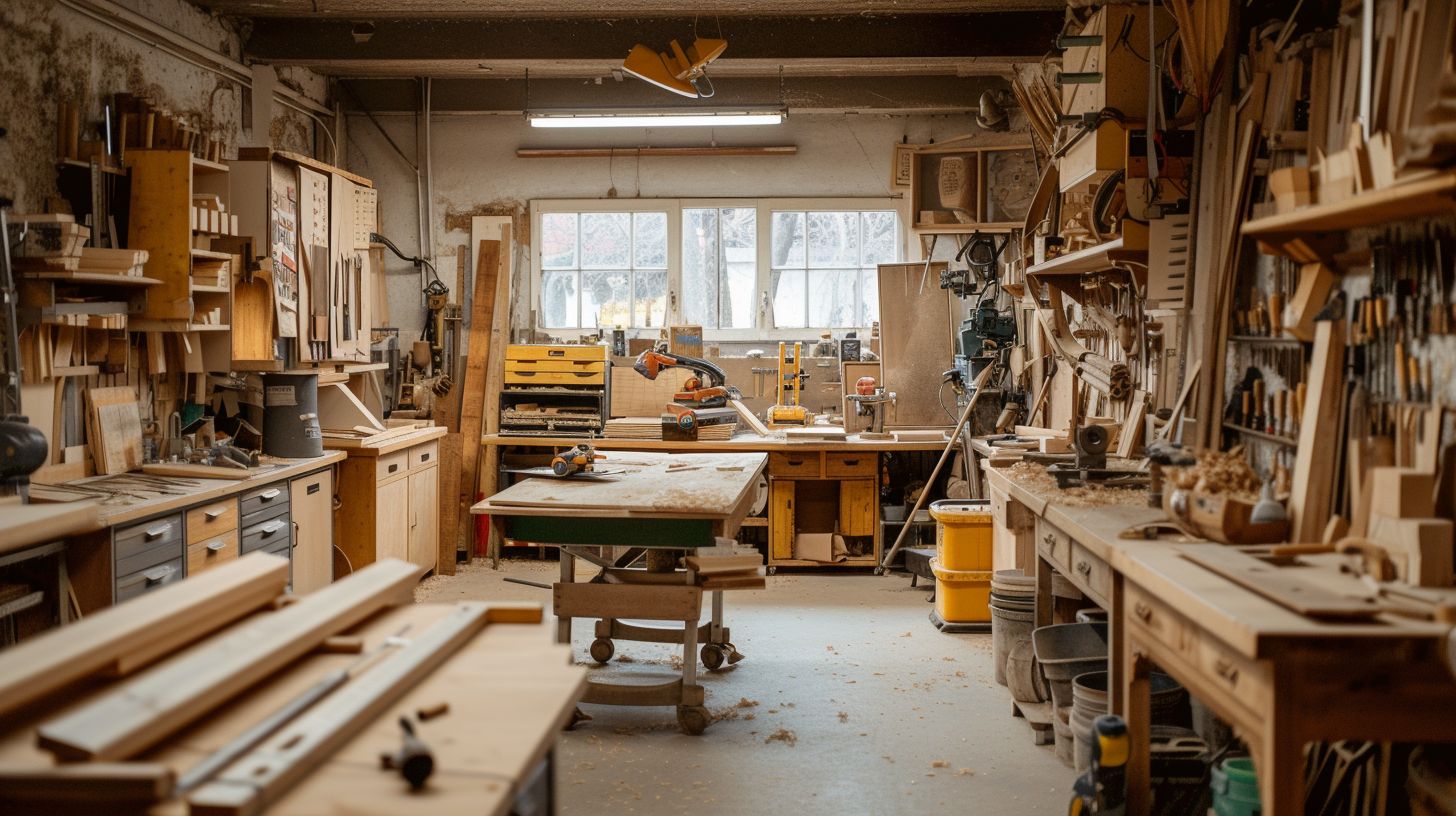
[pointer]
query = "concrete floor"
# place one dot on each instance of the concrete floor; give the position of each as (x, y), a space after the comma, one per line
(849, 702)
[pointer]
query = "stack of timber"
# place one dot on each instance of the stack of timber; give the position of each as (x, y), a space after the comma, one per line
(651, 428)
(727, 571)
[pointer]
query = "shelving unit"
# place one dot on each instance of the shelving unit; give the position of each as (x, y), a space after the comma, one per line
(1092, 259)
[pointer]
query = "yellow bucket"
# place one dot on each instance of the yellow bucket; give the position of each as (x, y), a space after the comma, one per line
(961, 596)
(962, 533)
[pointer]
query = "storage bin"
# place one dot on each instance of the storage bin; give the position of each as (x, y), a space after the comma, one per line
(961, 596)
(1235, 788)
(963, 533)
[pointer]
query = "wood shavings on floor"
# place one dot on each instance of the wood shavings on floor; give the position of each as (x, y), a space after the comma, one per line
(1035, 478)
(783, 735)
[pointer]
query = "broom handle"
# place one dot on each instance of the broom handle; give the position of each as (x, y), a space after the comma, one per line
(944, 455)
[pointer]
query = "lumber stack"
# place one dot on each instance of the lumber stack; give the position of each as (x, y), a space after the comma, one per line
(46, 242)
(651, 428)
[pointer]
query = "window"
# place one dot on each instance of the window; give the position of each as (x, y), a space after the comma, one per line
(738, 267)
(719, 266)
(823, 266)
(603, 269)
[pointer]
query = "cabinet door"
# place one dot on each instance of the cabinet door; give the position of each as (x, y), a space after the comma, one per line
(424, 517)
(392, 520)
(780, 518)
(857, 498)
(312, 502)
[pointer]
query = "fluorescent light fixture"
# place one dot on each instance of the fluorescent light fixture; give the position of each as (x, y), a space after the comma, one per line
(652, 120)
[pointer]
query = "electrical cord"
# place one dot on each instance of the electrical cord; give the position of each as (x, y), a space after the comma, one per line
(436, 286)
(940, 398)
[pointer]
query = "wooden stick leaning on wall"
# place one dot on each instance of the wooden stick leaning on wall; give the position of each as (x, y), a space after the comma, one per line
(500, 336)
(950, 445)
(1311, 494)
(472, 387)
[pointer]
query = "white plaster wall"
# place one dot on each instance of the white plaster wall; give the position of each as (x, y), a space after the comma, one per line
(50, 52)
(476, 173)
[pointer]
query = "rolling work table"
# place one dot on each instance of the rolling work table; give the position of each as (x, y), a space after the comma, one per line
(818, 486)
(1282, 679)
(200, 523)
(652, 505)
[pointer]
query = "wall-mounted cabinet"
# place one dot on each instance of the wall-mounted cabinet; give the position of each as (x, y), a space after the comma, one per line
(956, 189)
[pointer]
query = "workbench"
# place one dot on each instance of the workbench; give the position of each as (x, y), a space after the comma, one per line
(389, 498)
(815, 486)
(1281, 679)
(199, 523)
(652, 505)
(510, 692)
(31, 534)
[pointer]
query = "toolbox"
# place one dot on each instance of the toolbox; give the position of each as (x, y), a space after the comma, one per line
(555, 390)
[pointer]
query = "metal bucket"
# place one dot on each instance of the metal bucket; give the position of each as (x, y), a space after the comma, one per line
(290, 416)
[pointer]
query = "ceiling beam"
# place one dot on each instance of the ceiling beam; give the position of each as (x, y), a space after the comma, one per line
(767, 42)
(902, 95)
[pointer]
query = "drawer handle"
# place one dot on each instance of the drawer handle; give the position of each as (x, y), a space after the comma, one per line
(796, 462)
(159, 574)
(556, 353)
(315, 487)
(394, 467)
(424, 457)
(294, 543)
(1085, 568)
(216, 546)
(1226, 670)
(269, 495)
(214, 515)
(158, 531)
(1143, 611)
(272, 527)
(851, 462)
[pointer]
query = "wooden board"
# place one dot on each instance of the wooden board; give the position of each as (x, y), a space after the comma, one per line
(716, 564)
(339, 409)
(1282, 585)
(916, 342)
(137, 714)
(114, 429)
(479, 352)
(270, 770)
(448, 501)
(1312, 493)
(124, 638)
(636, 601)
(93, 787)
(749, 418)
(188, 470)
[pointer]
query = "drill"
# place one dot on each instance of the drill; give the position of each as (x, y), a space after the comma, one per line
(1103, 788)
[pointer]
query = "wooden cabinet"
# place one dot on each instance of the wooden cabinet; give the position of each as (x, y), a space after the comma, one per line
(312, 499)
(780, 519)
(389, 500)
(822, 492)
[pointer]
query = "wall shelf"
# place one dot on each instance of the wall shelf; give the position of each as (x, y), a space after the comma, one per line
(1428, 195)
(1097, 258)
(1260, 435)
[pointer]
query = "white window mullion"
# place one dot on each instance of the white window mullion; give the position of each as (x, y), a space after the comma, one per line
(762, 296)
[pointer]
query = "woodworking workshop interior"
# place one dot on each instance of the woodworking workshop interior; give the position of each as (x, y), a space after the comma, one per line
(643, 408)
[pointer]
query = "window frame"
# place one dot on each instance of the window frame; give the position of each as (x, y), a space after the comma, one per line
(761, 330)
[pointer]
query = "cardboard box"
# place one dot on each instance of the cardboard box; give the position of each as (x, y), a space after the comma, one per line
(1402, 492)
(815, 547)
(685, 340)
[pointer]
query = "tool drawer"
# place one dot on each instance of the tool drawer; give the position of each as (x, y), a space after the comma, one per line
(147, 544)
(267, 535)
(153, 577)
(851, 465)
(210, 552)
(1091, 574)
(423, 456)
(548, 352)
(794, 465)
(211, 520)
(263, 502)
(1053, 545)
(391, 465)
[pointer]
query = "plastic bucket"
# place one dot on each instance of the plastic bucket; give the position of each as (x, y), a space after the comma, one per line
(961, 596)
(1009, 626)
(1089, 701)
(963, 533)
(1066, 650)
(1235, 788)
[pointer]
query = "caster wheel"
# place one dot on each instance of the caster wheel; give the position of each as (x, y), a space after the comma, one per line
(879, 570)
(712, 655)
(772, 570)
(602, 650)
(692, 719)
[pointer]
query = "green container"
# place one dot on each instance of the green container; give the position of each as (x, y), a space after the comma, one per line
(1235, 788)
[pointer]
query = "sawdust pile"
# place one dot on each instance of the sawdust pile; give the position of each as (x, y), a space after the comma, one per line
(783, 735)
(1034, 478)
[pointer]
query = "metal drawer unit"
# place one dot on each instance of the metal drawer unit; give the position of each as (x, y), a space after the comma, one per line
(262, 503)
(148, 555)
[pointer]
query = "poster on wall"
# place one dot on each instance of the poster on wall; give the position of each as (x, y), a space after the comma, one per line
(283, 186)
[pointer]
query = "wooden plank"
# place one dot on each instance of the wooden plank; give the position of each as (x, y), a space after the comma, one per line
(188, 470)
(93, 787)
(1131, 440)
(137, 714)
(713, 565)
(448, 502)
(1314, 462)
(122, 639)
(635, 601)
(274, 767)
(115, 429)
(915, 342)
(339, 409)
(473, 385)
(1283, 586)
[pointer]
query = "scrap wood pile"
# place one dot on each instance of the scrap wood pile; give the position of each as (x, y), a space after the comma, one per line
(108, 695)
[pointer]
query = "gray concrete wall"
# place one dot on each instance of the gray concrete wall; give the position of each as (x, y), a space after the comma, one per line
(476, 173)
(49, 51)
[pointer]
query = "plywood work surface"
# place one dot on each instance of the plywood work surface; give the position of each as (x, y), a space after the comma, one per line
(24, 525)
(696, 485)
(511, 676)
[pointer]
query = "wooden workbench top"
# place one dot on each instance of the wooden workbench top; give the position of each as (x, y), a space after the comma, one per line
(743, 442)
(196, 491)
(25, 525)
(650, 485)
(510, 689)
(1248, 622)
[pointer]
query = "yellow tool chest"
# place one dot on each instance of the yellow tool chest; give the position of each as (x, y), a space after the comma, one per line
(555, 389)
